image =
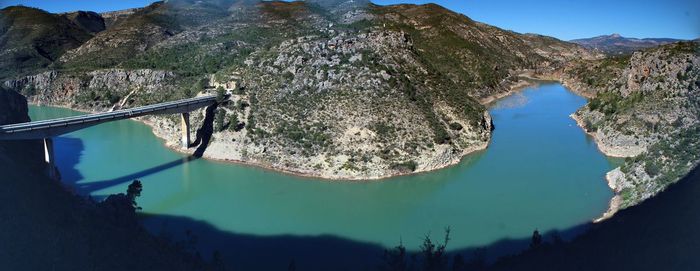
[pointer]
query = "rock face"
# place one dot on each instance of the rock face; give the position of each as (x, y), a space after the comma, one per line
(13, 109)
(647, 109)
(97, 90)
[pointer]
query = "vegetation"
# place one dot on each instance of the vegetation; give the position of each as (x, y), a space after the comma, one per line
(408, 166)
(611, 102)
(219, 120)
(133, 192)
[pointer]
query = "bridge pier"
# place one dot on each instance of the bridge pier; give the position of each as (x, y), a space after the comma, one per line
(50, 159)
(185, 129)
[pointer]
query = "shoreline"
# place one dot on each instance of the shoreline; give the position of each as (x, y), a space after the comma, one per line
(523, 84)
(317, 177)
(527, 82)
(616, 200)
(176, 148)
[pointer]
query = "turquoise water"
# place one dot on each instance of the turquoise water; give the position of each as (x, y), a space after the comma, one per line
(540, 171)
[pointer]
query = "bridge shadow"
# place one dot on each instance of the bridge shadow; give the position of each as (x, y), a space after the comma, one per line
(204, 133)
(88, 188)
(69, 151)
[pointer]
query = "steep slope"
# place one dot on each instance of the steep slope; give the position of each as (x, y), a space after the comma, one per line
(615, 44)
(483, 59)
(647, 108)
(87, 20)
(337, 89)
(32, 39)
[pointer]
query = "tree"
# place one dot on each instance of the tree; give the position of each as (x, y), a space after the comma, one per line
(133, 192)
(536, 239)
(233, 122)
(220, 94)
(395, 259)
(220, 116)
(203, 83)
(434, 255)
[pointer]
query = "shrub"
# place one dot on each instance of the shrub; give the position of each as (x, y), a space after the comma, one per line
(408, 166)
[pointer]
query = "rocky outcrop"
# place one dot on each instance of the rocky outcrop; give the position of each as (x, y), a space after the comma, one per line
(13, 109)
(96, 90)
(649, 112)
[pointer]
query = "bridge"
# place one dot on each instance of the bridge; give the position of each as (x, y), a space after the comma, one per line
(46, 129)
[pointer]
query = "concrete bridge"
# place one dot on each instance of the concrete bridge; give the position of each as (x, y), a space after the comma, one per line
(46, 129)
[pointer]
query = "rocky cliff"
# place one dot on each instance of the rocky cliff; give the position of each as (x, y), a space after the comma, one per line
(646, 108)
(13, 109)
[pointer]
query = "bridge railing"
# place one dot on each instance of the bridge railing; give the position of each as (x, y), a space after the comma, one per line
(106, 116)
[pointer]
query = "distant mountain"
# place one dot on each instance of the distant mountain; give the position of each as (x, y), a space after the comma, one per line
(618, 45)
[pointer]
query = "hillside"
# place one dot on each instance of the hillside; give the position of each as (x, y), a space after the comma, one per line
(646, 108)
(335, 89)
(615, 44)
(32, 39)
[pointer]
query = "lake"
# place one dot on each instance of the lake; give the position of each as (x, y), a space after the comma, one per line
(541, 171)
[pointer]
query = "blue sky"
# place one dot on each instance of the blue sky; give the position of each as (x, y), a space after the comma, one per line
(564, 19)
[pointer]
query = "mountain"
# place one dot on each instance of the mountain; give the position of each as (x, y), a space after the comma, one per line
(32, 39)
(328, 88)
(88, 21)
(618, 45)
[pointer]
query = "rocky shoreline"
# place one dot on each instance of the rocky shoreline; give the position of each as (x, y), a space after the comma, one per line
(162, 133)
(217, 151)
(616, 200)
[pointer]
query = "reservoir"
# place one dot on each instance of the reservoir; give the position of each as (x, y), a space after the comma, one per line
(540, 171)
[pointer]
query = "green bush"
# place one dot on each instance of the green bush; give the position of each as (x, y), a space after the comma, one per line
(409, 166)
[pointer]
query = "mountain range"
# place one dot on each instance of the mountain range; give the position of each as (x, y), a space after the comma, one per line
(615, 44)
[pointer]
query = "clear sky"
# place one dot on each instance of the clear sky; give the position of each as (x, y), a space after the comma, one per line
(564, 19)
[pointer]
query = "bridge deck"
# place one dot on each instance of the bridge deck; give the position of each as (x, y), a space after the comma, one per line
(54, 127)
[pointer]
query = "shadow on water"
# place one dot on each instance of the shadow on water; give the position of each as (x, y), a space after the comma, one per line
(252, 252)
(69, 151)
(324, 252)
(661, 232)
(88, 188)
